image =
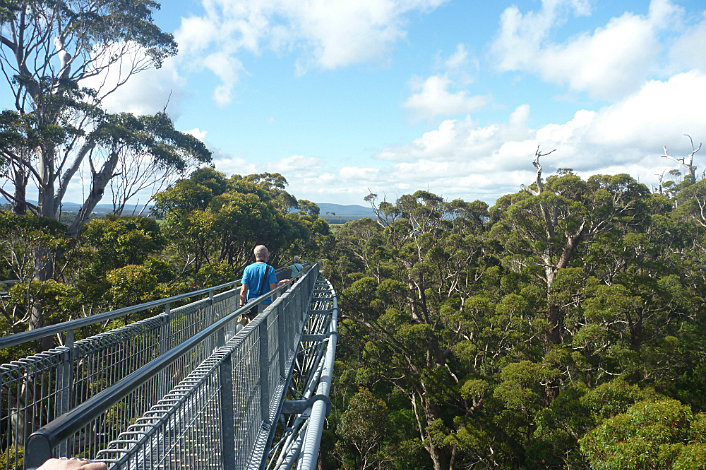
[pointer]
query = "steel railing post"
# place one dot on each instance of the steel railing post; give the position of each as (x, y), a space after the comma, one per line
(212, 309)
(264, 372)
(211, 320)
(304, 299)
(164, 345)
(296, 311)
(227, 414)
(66, 379)
(282, 337)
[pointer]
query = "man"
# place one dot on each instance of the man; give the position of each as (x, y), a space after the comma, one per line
(258, 278)
(297, 267)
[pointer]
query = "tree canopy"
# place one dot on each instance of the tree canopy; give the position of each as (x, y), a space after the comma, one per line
(520, 335)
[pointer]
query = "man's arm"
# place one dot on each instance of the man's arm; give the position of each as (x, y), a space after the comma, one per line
(243, 294)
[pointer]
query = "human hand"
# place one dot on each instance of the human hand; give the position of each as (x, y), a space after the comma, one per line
(72, 464)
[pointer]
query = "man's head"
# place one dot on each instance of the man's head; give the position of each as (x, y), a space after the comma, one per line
(261, 253)
(297, 259)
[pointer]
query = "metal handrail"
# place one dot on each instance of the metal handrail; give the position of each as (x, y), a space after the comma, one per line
(310, 450)
(43, 440)
(47, 437)
(43, 332)
(19, 338)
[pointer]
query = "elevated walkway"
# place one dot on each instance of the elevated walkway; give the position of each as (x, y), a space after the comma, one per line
(187, 387)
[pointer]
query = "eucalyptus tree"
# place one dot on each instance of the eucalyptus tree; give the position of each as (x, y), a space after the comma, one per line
(213, 222)
(48, 50)
(653, 433)
(543, 227)
(123, 137)
(418, 265)
(60, 59)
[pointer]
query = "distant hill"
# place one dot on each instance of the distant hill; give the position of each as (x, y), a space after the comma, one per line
(339, 213)
(331, 213)
(73, 208)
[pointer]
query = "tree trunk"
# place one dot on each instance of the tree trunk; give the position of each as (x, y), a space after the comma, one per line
(555, 323)
(45, 199)
(98, 184)
(438, 456)
(432, 412)
(20, 203)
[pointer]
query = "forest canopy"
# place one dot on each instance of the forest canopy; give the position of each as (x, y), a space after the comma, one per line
(561, 327)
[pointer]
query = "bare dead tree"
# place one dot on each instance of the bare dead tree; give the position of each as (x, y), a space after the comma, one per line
(385, 212)
(687, 161)
(540, 184)
(660, 181)
(138, 173)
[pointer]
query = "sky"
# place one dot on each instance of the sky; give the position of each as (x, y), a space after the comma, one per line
(346, 97)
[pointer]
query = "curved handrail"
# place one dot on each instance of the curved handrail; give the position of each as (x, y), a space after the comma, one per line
(310, 450)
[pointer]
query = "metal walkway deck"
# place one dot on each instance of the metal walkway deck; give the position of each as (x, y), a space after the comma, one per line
(187, 387)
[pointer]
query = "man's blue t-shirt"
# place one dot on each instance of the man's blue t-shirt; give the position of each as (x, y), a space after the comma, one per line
(253, 276)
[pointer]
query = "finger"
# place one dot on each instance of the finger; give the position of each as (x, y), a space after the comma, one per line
(93, 466)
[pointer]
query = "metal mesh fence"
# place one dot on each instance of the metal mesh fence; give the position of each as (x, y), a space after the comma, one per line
(223, 412)
(37, 389)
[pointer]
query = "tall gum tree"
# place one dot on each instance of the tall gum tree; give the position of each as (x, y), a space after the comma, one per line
(419, 260)
(50, 50)
(543, 227)
(47, 50)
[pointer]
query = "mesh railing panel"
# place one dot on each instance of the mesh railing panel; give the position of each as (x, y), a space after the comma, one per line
(37, 389)
(183, 430)
(30, 397)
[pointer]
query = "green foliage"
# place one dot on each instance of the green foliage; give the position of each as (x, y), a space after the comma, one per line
(514, 331)
(214, 222)
(12, 457)
(61, 301)
(131, 285)
(119, 241)
(22, 235)
(522, 384)
(363, 426)
(650, 434)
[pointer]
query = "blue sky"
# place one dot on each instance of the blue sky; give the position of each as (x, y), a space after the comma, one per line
(452, 96)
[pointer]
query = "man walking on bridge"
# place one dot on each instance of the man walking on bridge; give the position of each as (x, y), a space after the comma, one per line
(258, 278)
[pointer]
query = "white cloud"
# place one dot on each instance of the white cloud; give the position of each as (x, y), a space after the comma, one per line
(462, 159)
(520, 115)
(227, 68)
(296, 166)
(198, 133)
(686, 53)
(458, 59)
(195, 34)
(610, 62)
(441, 94)
(434, 99)
(327, 34)
(659, 109)
(231, 165)
(352, 173)
(521, 36)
